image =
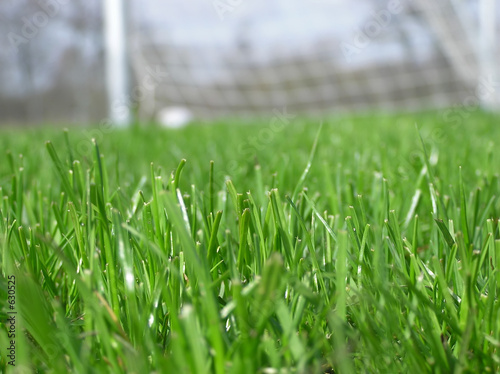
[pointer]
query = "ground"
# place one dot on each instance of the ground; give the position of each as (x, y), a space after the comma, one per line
(365, 244)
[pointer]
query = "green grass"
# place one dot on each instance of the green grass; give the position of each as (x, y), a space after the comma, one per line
(374, 249)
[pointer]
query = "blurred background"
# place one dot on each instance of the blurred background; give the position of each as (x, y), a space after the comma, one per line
(90, 61)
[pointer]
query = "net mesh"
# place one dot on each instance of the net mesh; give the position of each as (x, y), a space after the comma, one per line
(420, 54)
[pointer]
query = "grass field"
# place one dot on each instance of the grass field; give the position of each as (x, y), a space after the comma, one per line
(373, 249)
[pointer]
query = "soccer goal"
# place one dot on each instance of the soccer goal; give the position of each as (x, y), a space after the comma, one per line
(322, 57)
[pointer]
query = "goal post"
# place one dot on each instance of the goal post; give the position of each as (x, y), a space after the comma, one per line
(488, 51)
(116, 61)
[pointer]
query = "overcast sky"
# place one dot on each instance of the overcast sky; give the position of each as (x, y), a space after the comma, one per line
(206, 21)
(264, 25)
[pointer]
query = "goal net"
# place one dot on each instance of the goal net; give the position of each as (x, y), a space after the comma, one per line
(237, 58)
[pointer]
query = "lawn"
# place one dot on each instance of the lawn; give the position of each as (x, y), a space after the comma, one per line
(368, 244)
